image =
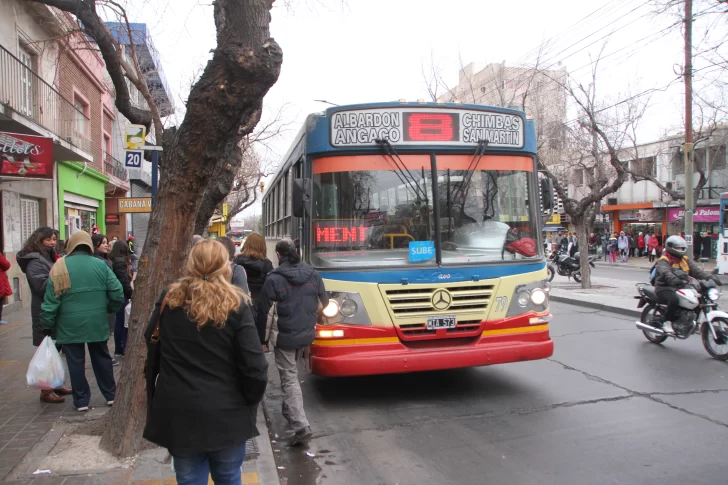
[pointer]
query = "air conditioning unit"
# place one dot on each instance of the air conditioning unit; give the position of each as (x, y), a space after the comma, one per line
(612, 201)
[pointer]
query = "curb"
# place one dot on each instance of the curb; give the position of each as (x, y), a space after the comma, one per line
(597, 306)
(265, 462)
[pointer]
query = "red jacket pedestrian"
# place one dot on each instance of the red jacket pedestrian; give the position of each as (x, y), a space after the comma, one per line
(641, 241)
(5, 288)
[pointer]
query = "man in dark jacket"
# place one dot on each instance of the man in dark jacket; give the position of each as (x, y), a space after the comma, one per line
(297, 289)
(672, 272)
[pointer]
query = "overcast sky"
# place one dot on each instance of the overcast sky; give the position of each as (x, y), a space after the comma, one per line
(375, 50)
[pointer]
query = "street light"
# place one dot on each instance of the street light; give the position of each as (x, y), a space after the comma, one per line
(324, 101)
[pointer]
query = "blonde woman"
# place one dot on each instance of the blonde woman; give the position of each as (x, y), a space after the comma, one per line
(212, 372)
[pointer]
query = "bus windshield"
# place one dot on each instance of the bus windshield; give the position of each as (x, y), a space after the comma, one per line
(379, 214)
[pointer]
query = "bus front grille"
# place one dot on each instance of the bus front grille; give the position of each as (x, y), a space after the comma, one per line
(413, 301)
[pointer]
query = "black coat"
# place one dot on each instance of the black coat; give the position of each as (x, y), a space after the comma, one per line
(257, 270)
(297, 290)
(121, 270)
(210, 382)
(37, 269)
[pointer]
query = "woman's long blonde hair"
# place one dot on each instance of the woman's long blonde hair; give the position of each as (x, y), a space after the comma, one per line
(205, 291)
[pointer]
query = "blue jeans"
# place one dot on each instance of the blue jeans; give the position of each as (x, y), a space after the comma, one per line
(101, 363)
(193, 468)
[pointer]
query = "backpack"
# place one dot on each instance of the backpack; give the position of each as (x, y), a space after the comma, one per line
(653, 274)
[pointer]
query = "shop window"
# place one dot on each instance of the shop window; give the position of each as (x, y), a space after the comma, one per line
(29, 217)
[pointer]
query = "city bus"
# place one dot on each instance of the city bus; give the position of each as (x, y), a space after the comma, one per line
(424, 220)
(722, 259)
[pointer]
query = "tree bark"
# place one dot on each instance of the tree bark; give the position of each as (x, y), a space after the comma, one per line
(583, 238)
(214, 195)
(224, 105)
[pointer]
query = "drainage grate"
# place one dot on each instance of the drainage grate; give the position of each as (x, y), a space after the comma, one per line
(251, 449)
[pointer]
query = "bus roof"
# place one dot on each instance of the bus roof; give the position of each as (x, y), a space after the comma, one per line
(336, 129)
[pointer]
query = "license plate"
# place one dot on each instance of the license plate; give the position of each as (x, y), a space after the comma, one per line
(433, 323)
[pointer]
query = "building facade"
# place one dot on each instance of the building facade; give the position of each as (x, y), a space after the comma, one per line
(60, 135)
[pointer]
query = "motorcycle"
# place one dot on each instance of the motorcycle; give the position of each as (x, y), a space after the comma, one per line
(564, 265)
(698, 313)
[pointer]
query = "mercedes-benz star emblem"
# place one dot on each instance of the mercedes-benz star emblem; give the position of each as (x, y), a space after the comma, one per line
(441, 300)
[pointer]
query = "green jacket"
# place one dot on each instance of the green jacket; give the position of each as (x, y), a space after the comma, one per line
(80, 314)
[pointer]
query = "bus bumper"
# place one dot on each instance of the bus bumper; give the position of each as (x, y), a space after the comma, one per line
(392, 356)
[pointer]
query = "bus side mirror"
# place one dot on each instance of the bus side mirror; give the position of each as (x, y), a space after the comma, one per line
(547, 194)
(301, 197)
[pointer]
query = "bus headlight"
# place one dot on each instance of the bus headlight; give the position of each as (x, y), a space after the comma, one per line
(345, 307)
(538, 297)
(713, 294)
(348, 308)
(529, 297)
(331, 309)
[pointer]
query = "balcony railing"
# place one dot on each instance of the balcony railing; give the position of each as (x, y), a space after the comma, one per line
(710, 193)
(28, 94)
(114, 167)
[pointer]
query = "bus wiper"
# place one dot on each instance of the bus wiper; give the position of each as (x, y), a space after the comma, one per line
(403, 171)
(479, 152)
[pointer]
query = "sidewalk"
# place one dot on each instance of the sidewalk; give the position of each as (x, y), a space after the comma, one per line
(33, 433)
(644, 263)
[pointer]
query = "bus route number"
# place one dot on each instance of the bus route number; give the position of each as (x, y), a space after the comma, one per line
(501, 303)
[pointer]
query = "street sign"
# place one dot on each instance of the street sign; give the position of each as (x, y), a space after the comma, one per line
(133, 158)
(689, 239)
(134, 137)
(135, 204)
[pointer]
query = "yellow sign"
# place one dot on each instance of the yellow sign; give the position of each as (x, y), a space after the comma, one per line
(134, 137)
(135, 204)
(555, 219)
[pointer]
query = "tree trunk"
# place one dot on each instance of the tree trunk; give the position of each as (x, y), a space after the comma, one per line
(215, 194)
(224, 105)
(583, 237)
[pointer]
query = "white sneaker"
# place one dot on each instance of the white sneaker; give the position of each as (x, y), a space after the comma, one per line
(109, 403)
(82, 409)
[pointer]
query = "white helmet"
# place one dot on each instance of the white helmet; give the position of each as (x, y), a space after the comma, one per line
(676, 246)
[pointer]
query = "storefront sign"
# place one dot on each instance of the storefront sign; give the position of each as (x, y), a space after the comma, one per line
(112, 219)
(26, 155)
(642, 215)
(137, 204)
(701, 214)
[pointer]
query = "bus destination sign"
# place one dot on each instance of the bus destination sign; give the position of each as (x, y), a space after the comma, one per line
(402, 126)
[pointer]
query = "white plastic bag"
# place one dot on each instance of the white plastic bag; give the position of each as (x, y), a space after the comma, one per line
(127, 314)
(46, 367)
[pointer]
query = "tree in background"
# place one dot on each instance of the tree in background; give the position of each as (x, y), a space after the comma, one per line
(223, 107)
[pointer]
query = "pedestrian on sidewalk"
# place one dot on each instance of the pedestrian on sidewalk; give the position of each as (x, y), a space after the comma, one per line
(623, 245)
(80, 293)
(239, 278)
(101, 251)
(652, 246)
(36, 260)
(254, 259)
(632, 245)
(5, 288)
(121, 264)
(211, 375)
(612, 248)
(640, 245)
(298, 291)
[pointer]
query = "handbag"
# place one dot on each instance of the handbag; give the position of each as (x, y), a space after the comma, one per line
(154, 357)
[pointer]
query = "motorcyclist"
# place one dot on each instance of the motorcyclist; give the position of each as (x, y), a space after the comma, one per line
(671, 273)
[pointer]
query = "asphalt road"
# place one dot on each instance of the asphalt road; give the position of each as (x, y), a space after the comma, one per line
(608, 407)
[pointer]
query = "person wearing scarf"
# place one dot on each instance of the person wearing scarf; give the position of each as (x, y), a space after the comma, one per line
(82, 290)
(673, 270)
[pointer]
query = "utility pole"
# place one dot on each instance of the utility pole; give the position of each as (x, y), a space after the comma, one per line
(688, 147)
